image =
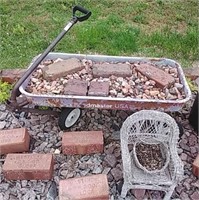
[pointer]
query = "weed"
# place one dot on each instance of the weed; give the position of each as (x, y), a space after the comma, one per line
(192, 85)
(4, 91)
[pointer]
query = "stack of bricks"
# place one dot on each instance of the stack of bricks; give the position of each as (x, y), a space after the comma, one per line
(20, 165)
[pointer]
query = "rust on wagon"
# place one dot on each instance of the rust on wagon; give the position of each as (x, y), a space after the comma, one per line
(54, 102)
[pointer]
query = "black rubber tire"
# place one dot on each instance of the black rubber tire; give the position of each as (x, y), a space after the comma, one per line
(63, 116)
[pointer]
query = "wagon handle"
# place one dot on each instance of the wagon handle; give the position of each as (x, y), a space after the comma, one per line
(84, 17)
(12, 103)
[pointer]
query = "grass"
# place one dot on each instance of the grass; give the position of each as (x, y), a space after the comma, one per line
(154, 28)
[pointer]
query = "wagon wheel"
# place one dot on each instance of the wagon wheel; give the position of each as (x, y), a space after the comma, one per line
(68, 117)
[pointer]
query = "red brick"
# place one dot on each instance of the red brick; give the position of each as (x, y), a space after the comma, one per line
(76, 87)
(62, 68)
(94, 187)
(106, 70)
(14, 140)
(99, 89)
(83, 142)
(195, 166)
(161, 78)
(28, 166)
(11, 75)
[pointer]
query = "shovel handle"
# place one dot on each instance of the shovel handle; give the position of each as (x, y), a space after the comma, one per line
(85, 16)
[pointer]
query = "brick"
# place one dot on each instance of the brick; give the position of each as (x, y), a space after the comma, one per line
(76, 87)
(28, 166)
(106, 70)
(94, 187)
(195, 166)
(192, 73)
(99, 89)
(61, 68)
(161, 78)
(11, 75)
(14, 140)
(83, 142)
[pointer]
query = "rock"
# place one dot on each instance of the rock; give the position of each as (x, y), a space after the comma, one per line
(154, 92)
(2, 124)
(195, 195)
(178, 86)
(3, 116)
(173, 70)
(24, 183)
(52, 192)
(97, 170)
(57, 151)
(106, 170)
(117, 174)
(139, 193)
(2, 107)
(193, 140)
(111, 160)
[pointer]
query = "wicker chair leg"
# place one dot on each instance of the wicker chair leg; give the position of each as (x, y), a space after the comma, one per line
(169, 193)
(124, 190)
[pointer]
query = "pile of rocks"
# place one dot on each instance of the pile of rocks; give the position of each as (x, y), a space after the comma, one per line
(122, 80)
(46, 138)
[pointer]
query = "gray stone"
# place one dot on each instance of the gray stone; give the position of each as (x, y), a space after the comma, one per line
(3, 116)
(4, 186)
(106, 170)
(178, 86)
(117, 174)
(52, 192)
(111, 160)
(64, 173)
(97, 170)
(2, 124)
(2, 107)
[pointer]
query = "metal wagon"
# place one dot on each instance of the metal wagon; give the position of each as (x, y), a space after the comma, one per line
(70, 105)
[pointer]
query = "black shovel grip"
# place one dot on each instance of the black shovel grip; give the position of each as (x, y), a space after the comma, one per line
(84, 17)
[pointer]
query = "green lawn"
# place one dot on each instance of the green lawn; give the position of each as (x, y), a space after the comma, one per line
(154, 28)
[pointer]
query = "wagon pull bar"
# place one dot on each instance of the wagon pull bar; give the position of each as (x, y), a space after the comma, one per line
(81, 18)
(84, 15)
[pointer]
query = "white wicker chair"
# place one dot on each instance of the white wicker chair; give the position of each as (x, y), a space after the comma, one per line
(150, 127)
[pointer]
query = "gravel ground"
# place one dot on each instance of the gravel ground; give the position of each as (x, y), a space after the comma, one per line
(46, 137)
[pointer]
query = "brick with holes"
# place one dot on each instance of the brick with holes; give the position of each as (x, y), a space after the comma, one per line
(94, 187)
(14, 140)
(82, 142)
